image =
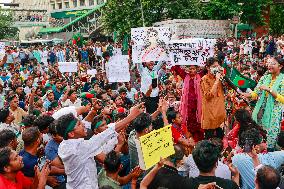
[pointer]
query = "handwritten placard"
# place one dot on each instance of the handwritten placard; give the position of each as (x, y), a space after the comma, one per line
(193, 51)
(150, 44)
(154, 145)
(118, 69)
(68, 66)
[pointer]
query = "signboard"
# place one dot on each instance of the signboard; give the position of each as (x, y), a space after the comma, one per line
(154, 145)
(193, 28)
(118, 69)
(150, 44)
(69, 14)
(193, 51)
(92, 72)
(68, 67)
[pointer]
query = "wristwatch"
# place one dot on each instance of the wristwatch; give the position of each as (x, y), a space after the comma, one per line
(270, 91)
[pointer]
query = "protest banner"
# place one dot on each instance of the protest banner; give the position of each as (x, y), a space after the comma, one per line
(92, 72)
(68, 66)
(118, 69)
(193, 51)
(150, 44)
(154, 145)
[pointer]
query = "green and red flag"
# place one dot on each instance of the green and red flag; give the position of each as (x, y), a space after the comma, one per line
(238, 79)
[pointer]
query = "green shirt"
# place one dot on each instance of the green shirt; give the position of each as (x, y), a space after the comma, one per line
(104, 180)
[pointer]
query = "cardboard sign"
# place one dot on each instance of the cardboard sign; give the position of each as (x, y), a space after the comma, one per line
(92, 72)
(193, 51)
(118, 69)
(150, 44)
(68, 67)
(154, 145)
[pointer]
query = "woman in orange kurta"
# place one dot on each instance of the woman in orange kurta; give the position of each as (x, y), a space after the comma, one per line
(213, 100)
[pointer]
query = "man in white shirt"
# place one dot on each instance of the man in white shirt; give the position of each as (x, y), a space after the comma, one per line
(78, 154)
(148, 73)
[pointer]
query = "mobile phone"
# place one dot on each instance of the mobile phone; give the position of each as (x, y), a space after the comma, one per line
(154, 83)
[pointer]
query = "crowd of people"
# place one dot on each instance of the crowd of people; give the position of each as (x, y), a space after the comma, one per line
(75, 130)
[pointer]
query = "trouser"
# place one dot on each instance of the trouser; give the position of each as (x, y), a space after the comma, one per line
(212, 133)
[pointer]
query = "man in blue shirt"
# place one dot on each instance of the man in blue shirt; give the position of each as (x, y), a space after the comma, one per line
(32, 140)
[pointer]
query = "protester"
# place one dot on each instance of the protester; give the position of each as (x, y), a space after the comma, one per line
(213, 100)
(90, 128)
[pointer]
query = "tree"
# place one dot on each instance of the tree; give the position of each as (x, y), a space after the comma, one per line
(122, 15)
(277, 19)
(251, 11)
(221, 9)
(7, 31)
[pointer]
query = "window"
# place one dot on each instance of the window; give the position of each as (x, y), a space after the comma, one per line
(59, 5)
(82, 2)
(75, 3)
(91, 2)
(67, 5)
(53, 6)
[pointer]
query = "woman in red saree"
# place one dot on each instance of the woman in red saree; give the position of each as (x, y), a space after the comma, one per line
(190, 108)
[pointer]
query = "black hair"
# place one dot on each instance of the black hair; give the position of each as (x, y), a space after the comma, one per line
(52, 128)
(253, 135)
(4, 158)
(210, 61)
(106, 54)
(246, 122)
(219, 143)
(63, 123)
(171, 115)
(112, 162)
(4, 113)
(30, 135)
(267, 177)
(28, 121)
(142, 122)
(99, 95)
(6, 136)
(280, 139)
(178, 155)
(205, 156)
(43, 122)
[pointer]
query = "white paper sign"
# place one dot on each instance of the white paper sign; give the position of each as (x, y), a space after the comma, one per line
(92, 72)
(118, 69)
(68, 66)
(193, 51)
(2, 50)
(150, 44)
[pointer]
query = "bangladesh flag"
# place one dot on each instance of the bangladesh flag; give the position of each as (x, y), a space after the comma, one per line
(238, 79)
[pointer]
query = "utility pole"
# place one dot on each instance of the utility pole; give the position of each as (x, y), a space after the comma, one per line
(142, 12)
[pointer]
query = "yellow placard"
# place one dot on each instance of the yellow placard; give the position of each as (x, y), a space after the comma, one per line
(156, 144)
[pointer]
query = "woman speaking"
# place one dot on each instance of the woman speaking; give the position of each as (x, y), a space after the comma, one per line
(213, 100)
(270, 104)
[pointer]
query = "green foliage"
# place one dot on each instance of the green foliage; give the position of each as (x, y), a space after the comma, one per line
(6, 29)
(122, 15)
(277, 19)
(222, 9)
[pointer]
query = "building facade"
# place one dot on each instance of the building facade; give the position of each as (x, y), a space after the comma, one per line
(30, 16)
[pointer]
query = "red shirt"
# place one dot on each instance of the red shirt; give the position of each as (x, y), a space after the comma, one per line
(178, 131)
(22, 182)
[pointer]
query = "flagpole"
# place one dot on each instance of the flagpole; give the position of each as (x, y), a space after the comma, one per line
(142, 12)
